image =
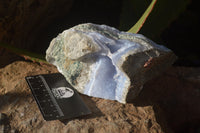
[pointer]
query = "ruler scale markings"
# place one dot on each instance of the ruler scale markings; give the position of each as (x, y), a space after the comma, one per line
(35, 94)
(52, 97)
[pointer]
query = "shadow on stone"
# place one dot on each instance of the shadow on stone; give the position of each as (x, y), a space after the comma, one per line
(175, 100)
(12, 98)
(7, 57)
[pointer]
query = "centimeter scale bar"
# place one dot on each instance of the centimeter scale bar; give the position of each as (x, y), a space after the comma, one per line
(55, 97)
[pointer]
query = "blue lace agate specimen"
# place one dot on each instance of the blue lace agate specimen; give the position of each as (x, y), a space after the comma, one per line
(101, 61)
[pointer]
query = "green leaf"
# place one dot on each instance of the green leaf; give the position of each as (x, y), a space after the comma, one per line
(164, 12)
(26, 54)
(141, 21)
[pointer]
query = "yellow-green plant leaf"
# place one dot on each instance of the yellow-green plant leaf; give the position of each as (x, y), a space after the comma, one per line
(24, 53)
(141, 21)
(163, 14)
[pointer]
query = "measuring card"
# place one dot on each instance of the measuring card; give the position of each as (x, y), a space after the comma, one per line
(55, 97)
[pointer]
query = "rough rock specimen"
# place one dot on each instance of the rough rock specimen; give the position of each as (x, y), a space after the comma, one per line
(104, 62)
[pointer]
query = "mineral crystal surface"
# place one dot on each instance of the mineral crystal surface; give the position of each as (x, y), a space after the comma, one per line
(101, 61)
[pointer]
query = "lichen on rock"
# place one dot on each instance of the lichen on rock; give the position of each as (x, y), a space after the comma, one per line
(104, 62)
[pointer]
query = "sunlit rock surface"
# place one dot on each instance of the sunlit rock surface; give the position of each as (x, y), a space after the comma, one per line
(104, 62)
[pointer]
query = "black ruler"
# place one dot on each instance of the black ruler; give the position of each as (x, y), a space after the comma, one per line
(55, 97)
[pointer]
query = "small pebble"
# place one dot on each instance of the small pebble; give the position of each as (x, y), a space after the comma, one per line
(3, 118)
(1, 128)
(4, 129)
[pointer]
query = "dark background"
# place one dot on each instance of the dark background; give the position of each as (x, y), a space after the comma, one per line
(32, 25)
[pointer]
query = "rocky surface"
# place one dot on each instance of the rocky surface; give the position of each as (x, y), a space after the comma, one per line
(101, 61)
(107, 116)
(168, 103)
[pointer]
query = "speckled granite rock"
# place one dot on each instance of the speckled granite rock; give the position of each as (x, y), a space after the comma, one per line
(104, 62)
